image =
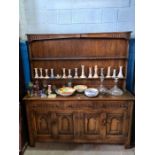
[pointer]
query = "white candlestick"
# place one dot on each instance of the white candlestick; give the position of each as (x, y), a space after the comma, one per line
(108, 72)
(64, 73)
(90, 72)
(52, 73)
(95, 72)
(76, 73)
(41, 73)
(36, 73)
(120, 74)
(46, 74)
(69, 73)
(83, 72)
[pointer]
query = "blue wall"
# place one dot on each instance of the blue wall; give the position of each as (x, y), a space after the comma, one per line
(131, 64)
(23, 49)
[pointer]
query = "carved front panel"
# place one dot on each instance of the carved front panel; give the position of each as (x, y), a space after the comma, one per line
(65, 124)
(42, 123)
(116, 124)
(90, 124)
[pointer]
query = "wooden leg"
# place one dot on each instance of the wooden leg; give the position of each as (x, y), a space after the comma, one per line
(128, 141)
(31, 141)
(32, 144)
(127, 145)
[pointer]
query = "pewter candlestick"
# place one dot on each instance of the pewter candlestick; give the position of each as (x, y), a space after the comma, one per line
(101, 72)
(76, 73)
(114, 73)
(102, 89)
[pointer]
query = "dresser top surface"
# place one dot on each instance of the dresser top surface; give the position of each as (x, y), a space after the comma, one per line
(126, 96)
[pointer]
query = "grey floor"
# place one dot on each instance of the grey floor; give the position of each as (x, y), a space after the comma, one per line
(77, 149)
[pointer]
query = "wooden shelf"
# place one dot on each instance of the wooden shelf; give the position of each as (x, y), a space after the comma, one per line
(78, 58)
(76, 78)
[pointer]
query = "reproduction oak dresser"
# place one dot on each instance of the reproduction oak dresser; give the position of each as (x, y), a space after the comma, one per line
(79, 119)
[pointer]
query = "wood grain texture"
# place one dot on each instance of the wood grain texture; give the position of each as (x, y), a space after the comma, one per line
(103, 119)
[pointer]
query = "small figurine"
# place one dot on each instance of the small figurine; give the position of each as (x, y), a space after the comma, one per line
(83, 72)
(36, 88)
(52, 96)
(108, 72)
(41, 73)
(114, 73)
(90, 72)
(30, 89)
(45, 85)
(69, 83)
(36, 73)
(52, 73)
(76, 73)
(69, 73)
(120, 74)
(49, 90)
(101, 73)
(95, 72)
(64, 73)
(46, 74)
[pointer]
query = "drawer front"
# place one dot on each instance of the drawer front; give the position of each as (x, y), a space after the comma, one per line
(78, 105)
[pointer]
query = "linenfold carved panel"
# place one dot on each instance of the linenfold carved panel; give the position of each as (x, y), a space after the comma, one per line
(42, 123)
(92, 123)
(65, 123)
(115, 124)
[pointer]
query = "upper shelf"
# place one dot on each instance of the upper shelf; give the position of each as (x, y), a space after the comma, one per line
(79, 58)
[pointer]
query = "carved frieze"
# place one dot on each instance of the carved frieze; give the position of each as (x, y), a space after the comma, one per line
(79, 105)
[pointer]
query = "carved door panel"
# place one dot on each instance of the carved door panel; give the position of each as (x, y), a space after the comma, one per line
(116, 125)
(64, 125)
(91, 127)
(42, 123)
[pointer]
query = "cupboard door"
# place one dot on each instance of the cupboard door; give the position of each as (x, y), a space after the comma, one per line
(92, 125)
(65, 123)
(42, 123)
(64, 126)
(116, 125)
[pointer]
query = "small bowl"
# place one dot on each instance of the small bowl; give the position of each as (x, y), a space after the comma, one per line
(65, 91)
(80, 88)
(91, 92)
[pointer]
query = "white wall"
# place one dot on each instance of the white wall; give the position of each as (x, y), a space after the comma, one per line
(76, 16)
